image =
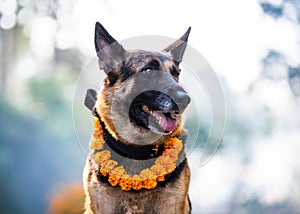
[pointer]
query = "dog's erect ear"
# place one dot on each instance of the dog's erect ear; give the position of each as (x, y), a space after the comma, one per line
(110, 53)
(177, 49)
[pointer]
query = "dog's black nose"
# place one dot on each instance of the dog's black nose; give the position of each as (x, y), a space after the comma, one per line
(182, 99)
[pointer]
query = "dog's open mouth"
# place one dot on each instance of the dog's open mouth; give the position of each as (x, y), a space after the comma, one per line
(154, 111)
(160, 121)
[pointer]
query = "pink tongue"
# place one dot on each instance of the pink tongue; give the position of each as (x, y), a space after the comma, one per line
(167, 123)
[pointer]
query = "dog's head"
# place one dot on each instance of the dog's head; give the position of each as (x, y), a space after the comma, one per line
(141, 99)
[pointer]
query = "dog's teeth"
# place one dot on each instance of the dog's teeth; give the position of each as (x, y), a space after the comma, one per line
(146, 109)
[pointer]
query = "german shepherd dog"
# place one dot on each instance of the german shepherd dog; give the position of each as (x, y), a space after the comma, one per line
(139, 109)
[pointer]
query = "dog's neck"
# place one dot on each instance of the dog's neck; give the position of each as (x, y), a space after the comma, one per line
(131, 173)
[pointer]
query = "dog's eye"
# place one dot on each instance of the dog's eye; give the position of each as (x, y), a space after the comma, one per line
(151, 66)
(148, 71)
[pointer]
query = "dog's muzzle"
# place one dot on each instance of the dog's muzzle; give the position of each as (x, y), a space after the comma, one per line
(179, 96)
(160, 102)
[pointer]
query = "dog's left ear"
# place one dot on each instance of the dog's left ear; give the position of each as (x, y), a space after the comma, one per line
(110, 53)
(177, 49)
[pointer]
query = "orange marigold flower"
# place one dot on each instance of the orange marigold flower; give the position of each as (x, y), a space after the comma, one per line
(116, 174)
(158, 170)
(113, 180)
(97, 124)
(163, 160)
(125, 182)
(147, 174)
(161, 178)
(107, 166)
(97, 134)
(136, 182)
(97, 144)
(102, 156)
(118, 171)
(178, 145)
(103, 172)
(173, 154)
(149, 183)
(170, 167)
(169, 143)
(96, 121)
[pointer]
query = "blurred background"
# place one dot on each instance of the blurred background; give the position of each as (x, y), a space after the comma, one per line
(253, 47)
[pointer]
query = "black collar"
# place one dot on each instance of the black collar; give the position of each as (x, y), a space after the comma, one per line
(143, 152)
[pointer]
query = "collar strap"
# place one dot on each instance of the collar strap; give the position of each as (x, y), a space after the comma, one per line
(130, 151)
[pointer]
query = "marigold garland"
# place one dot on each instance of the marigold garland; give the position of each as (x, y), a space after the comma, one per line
(147, 178)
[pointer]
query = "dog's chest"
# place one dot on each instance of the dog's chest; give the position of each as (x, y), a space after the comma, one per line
(114, 200)
(107, 199)
(139, 203)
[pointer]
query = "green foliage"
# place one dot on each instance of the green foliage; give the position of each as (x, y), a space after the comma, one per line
(50, 102)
